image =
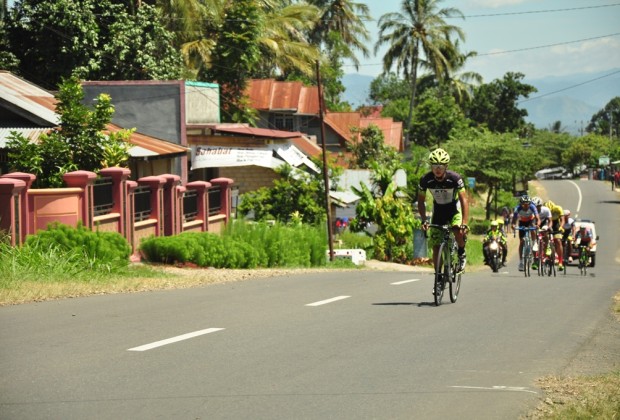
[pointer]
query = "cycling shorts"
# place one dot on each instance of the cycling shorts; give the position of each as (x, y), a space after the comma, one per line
(436, 235)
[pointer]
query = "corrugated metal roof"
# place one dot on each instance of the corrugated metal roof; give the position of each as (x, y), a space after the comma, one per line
(144, 146)
(285, 95)
(271, 95)
(253, 131)
(28, 100)
(309, 101)
(307, 146)
(259, 92)
(152, 145)
(342, 122)
(30, 133)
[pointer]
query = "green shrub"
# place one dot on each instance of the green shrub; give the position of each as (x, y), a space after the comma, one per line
(479, 227)
(242, 245)
(102, 250)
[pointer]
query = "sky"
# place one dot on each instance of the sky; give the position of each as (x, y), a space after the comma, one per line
(539, 38)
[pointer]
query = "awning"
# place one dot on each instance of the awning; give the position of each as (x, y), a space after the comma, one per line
(220, 157)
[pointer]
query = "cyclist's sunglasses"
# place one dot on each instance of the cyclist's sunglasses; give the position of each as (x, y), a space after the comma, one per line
(438, 166)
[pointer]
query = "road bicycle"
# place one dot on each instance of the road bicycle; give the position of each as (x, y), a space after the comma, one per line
(526, 254)
(447, 274)
(566, 251)
(548, 266)
(583, 259)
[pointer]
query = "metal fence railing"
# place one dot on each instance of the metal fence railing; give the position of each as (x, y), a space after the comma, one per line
(103, 201)
(215, 201)
(142, 203)
(190, 205)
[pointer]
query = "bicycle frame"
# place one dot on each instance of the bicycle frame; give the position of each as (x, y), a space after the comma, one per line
(584, 254)
(526, 254)
(447, 263)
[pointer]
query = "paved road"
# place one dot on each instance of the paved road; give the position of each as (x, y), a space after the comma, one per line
(354, 345)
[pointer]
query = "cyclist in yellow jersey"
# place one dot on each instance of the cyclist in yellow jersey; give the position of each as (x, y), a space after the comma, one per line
(557, 229)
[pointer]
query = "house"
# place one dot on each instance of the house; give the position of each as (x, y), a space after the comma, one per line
(246, 154)
(31, 111)
(187, 114)
(292, 106)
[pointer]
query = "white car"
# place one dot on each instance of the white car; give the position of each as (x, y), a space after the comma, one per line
(589, 224)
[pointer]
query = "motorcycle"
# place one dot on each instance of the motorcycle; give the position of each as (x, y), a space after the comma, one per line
(495, 255)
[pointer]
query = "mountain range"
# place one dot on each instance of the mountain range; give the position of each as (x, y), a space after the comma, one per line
(571, 99)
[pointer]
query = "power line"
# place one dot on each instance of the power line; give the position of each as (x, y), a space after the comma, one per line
(546, 46)
(569, 87)
(542, 11)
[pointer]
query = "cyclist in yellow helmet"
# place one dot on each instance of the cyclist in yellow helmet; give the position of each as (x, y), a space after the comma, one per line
(557, 229)
(450, 204)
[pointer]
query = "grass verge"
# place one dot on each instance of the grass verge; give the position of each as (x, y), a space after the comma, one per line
(581, 397)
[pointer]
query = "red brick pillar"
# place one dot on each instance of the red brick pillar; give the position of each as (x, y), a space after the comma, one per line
(171, 210)
(28, 179)
(225, 191)
(11, 214)
(128, 220)
(201, 188)
(85, 181)
(119, 195)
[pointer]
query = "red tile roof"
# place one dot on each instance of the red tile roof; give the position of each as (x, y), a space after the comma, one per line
(272, 95)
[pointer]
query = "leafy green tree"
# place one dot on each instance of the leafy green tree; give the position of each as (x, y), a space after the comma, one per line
(386, 88)
(236, 53)
(550, 146)
(435, 117)
(283, 42)
(136, 46)
(92, 39)
(495, 105)
(55, 37)
(495, 160)
(419, 35)
(295, 196)
(586, 150)
(79, 142)
(371, 148)
(606, 121)
(340, 28)
(8, 60)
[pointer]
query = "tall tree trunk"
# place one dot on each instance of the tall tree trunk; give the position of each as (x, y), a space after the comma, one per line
(414, 77)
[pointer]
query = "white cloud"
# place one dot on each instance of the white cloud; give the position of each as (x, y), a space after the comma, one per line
(586, 57)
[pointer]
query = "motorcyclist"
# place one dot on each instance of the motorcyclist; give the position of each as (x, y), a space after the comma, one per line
(494, 233)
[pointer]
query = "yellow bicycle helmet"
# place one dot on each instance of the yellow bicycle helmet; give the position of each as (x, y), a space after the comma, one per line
(439, 156)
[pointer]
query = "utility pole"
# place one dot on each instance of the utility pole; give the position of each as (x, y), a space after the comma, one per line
(325, 174)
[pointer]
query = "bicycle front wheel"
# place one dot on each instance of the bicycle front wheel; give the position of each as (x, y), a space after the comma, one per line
(443, 273)
(455, 283)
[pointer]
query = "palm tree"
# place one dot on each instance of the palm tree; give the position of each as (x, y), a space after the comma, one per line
(345, 18)
(419, 33)
(460, 84)
(284, 46)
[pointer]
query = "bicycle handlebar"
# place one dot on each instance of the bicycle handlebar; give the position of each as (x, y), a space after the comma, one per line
(524, 228)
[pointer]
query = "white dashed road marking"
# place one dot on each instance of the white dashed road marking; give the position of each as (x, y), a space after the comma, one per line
(398, 283)
(323, 302)
(174, 339)
(499, 388)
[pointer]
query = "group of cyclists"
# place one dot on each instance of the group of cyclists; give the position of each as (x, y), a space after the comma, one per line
(553, 223)
(450, 207)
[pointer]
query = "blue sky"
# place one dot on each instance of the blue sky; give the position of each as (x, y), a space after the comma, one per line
(496, 28)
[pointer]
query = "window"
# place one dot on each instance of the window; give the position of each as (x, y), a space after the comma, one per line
(283, 122)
